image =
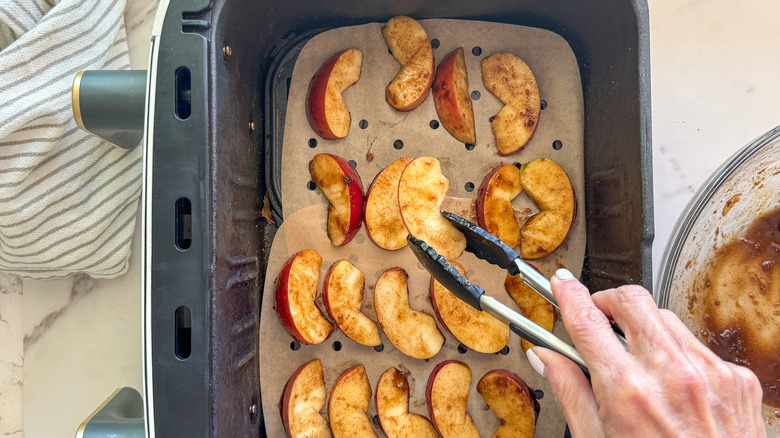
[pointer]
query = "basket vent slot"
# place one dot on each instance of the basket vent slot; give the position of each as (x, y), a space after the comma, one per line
(183, 334)
(183, 87)
(183, 224)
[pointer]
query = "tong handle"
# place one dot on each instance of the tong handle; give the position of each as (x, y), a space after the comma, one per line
(541, 285)
(530, 331)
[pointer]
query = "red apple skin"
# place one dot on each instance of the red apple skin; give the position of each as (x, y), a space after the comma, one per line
(452, 99)
(282, 302)
(316, 111)
(287, 393)
(354, 186)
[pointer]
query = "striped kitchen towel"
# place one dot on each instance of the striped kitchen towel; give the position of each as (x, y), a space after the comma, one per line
(68, 200)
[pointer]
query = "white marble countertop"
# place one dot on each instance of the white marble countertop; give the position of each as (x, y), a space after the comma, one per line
(715, 87)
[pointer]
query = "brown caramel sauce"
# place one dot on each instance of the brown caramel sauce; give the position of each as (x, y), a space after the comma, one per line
(740, 306)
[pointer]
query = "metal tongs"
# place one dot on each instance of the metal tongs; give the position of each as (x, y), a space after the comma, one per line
(489, 248)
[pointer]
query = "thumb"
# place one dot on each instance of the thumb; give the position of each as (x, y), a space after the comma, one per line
(571, 390)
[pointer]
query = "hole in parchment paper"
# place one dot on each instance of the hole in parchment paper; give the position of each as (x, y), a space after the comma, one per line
(475, 95)
(352, 164)
(389, 51)
(517, 164)
(353, 259)
(469, 147)
(360, 239)
(379, 348)
(337, 346)
(435, 43)
(504, 351)
(375, 420)
(557, 145)
(420, 266)
(398, 144)
(363, 124)
(469, 186)
(434, 124)
(295, 345)
(476, 51)
(543, 104)
(311, 186)
(539, 394)
(312, 143)
(462, 349)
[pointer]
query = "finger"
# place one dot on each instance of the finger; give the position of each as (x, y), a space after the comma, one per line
(633, 309)
(571, 390)
(587, 326)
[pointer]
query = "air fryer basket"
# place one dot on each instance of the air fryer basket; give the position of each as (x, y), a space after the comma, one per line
(224, 158)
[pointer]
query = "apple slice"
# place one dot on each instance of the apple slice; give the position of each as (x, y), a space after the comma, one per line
(343, 293)
(392, 407)
(296, 289)
(494, 203)
(382, 216)
(303, 397)
(341, 184)
(477, 330)
(452, 99)
(512, 82)
(325, 107)
(348, 403)
(421, 191)
(532, 305)
(447, 394)
(512, 401)
(549, 187)
(410, 46)
(414, 334)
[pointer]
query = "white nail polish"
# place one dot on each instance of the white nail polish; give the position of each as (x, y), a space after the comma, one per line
(536, 363)
(564, 274)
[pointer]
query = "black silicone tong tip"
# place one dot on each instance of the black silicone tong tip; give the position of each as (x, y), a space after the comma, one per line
(445, 273)
(483, 244)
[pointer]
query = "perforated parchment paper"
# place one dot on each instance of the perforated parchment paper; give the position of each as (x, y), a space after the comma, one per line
(373, 148)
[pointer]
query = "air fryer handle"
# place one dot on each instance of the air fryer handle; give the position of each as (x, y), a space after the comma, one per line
(121, 416)
(111, 105)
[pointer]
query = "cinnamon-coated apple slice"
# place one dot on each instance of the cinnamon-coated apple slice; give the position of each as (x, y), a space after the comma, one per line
(294, 294)
(532, 305)
(341, 185)
(343, 294)
(447, 395)
(303, 398)
(549, 187)
(349, 399)
(382, 215)
(452, 99)
(410, 46)
(421, 191)
(494, 203)
(413, 333)
(512, 401)
(325, 107)
(510, 79)
(475, 329)
(392, 407)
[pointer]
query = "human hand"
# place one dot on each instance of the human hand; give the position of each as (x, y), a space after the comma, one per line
(666, 384)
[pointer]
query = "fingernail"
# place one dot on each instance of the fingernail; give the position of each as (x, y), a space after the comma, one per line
(564, 274)
(535, 362)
